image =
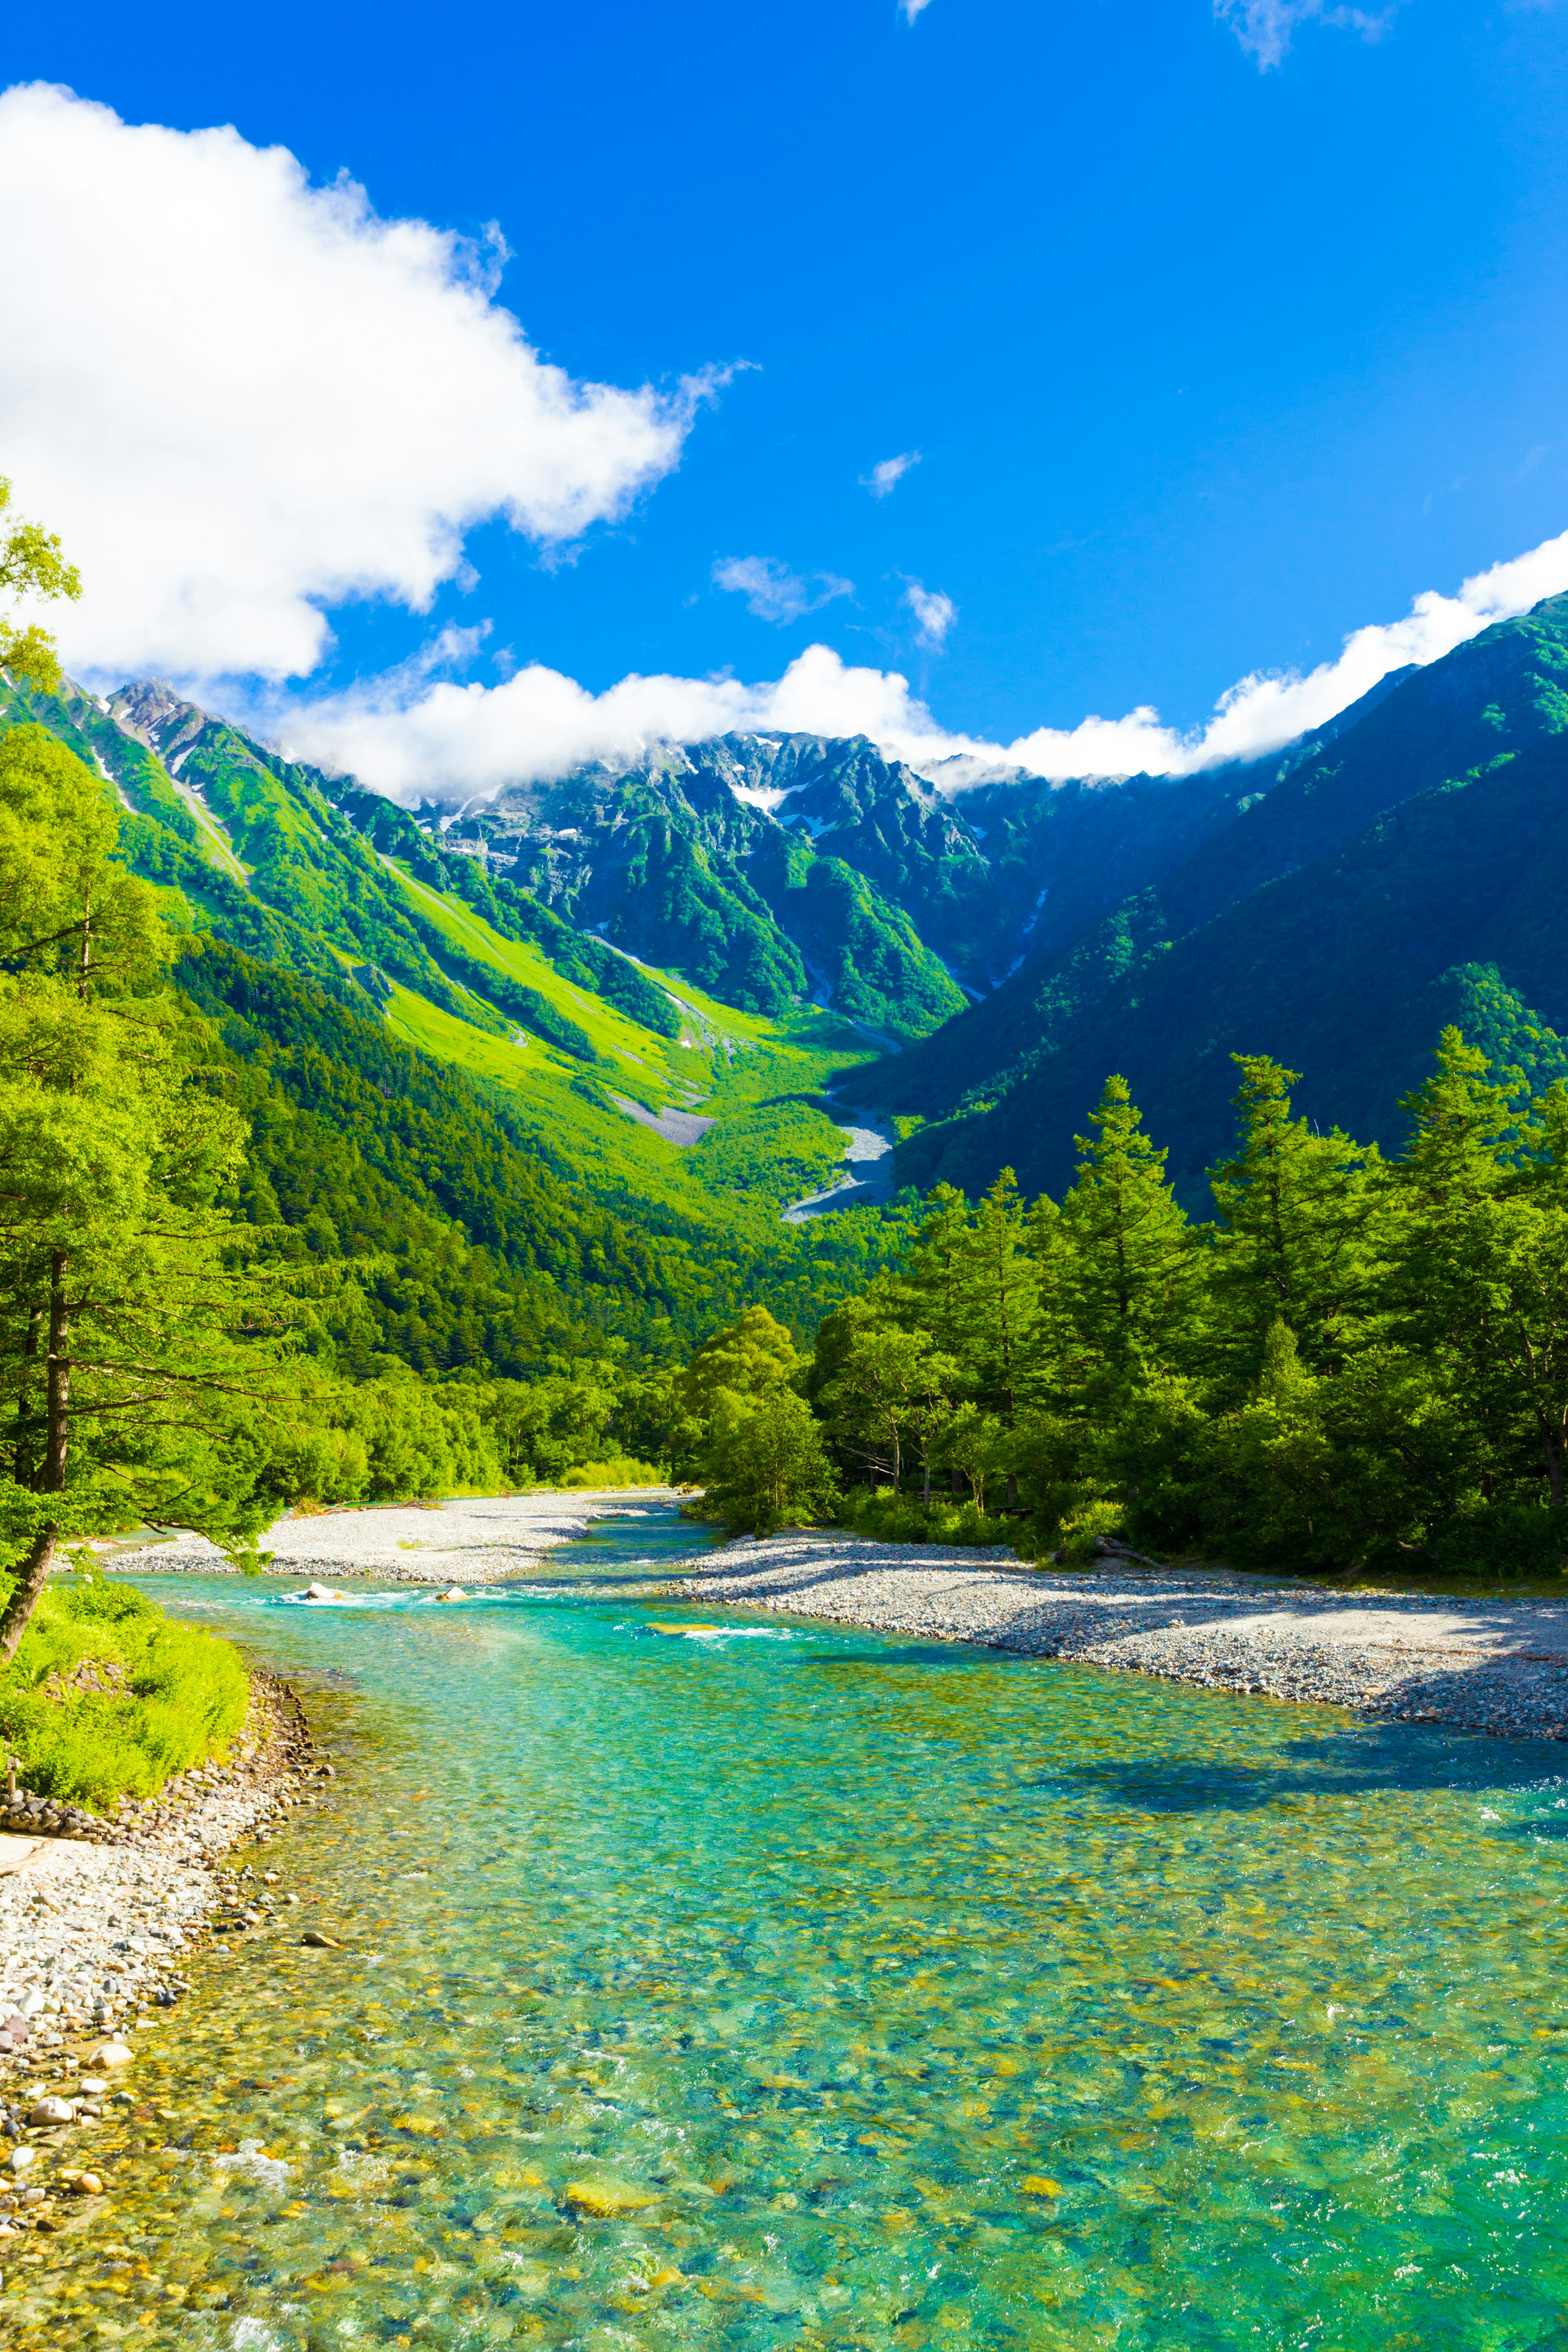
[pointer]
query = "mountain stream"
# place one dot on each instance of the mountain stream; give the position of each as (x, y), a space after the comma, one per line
(711, 1979)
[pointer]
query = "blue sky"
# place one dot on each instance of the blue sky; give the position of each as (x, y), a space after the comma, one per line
(1208, 360)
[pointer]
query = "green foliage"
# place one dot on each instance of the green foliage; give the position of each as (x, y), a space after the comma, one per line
(778, 1152)
(766, 1466)
(690, 908)
(877, 967)
(623, 1471)
(170, 1696)
(31, 565)
(1362, 1362)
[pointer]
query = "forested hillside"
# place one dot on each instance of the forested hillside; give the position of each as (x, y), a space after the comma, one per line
(523, 1099)
(452, 1103)
(1392, 881)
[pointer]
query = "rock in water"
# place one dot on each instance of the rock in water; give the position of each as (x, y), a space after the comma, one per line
(22, 2160)
(320, 1943)
(453, 1592)
(111, 2054)
(605, 2198)
(319, 1592)
(50, 2110)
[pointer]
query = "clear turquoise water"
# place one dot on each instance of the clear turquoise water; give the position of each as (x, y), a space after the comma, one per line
(766, 1984)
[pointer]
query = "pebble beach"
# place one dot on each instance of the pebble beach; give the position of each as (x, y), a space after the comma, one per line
(490, 1540)
(1495, 1666)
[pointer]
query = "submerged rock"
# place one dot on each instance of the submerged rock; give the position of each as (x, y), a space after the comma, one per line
(605, 2197)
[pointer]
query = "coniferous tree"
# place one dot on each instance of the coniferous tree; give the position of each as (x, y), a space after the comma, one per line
(122, 1310)
(1295, 1242)
(1127, 1249)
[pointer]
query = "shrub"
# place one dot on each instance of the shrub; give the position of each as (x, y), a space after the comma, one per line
(167, 1695)
(621, 1472)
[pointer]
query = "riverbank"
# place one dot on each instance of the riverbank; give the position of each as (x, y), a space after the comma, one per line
(1495, 1666)
(93, 1921)
(490, 1540)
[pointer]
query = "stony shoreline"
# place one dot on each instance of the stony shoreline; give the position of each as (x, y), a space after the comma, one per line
(489, 1539)
(93, 1922)
(1496, 1665)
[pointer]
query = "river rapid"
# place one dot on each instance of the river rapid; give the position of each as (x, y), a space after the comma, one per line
(713, 1978)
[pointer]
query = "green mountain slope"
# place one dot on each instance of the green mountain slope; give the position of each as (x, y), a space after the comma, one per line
(1502, 690)
(445, 1076)
(1446, 908)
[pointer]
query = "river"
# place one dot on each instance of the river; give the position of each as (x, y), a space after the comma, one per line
(732, 1982)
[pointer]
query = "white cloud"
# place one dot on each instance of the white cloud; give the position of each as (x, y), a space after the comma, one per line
(887, 473)
(1264, 27)
(238, 398)
(411, 737)
(773, 591)
(911, 9)
(934, 613)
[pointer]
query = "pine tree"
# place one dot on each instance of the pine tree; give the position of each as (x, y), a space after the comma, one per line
(1297, 1240)
(1125, 1284)
(997, 1290)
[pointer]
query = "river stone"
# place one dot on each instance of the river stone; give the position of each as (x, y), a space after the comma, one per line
(83, 2184)
(22, 2160)
(93, 2085)
(112, 2054)
(50, 2110)
(605, 2198)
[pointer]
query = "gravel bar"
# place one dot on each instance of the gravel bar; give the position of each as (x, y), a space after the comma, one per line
(494, 1539)
(1494, 1666)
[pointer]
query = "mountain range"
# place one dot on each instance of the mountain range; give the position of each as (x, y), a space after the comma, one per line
(625, 995)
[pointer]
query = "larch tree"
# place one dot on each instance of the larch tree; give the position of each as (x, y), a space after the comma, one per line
(130, 1322)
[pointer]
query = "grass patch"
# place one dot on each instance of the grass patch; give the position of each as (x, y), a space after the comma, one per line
(622, 1471)
(903, 1519)
(167, 1695)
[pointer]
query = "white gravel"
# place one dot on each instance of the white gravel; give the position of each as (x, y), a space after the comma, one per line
(1494, 1666)
(92, 1926)
(488, 1542)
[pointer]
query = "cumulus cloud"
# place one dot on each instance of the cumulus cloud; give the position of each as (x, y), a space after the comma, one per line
(773, 591)
(414, 738)
(1264, 27)
(887, 473)
(934, 613)
(240, 399)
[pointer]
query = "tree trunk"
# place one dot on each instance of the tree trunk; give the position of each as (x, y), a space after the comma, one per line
(31, 1579)
(1012, 1490)
(33, 1574)
(59, 1379)
(925, 1486)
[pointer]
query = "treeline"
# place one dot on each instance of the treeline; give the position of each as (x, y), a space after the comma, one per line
(1358, 1361)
